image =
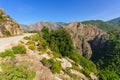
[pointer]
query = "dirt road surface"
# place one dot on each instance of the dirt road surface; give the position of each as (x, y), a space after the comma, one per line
(6, 43)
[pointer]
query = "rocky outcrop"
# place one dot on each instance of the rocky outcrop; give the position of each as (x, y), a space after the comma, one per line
(81, 35)
(8, 27)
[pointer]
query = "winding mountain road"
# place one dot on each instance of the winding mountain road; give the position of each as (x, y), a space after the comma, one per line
(6, 43)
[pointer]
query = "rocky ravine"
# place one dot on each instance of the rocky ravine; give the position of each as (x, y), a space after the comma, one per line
(82, 35)
(8, 27)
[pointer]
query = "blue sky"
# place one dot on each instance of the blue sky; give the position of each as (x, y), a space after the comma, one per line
(31, 11)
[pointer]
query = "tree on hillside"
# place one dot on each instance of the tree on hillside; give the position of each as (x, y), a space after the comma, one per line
(60, 41)
(45, 32)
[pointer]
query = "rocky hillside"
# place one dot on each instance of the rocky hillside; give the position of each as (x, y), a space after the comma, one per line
(40, 25)
(32, 59)
(8, 27)
(82, 35)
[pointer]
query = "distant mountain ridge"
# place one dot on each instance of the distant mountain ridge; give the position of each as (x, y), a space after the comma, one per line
(116, 20)
(104, 25)
(40, 25)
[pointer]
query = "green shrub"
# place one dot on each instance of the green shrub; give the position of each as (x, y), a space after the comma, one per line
(32, 47)
(27, 38)
(8, 33)
(16, 72)
(68, 69)
(57, 55)
(85, 63)
(1, 17)
(88, 65)
(86, 71)
(75, 66)
(55, 66)
(7, 53)
(108, 75)
(30, 42)
(75, 57)
(19, 49)
(74, 76)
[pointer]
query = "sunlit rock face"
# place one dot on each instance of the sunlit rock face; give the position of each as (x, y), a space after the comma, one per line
(8, 27)
(82, 35)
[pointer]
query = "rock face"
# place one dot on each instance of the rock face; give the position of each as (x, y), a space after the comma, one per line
(40, 25)
(81, 35)
(8, 27)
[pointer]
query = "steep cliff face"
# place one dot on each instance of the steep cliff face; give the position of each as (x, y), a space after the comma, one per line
(82, 35)
(8, 27)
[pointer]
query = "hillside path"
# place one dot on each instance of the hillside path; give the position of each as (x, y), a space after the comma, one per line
(6, 43)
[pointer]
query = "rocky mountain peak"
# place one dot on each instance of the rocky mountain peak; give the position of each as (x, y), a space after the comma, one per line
(8, 27)
(2, 11)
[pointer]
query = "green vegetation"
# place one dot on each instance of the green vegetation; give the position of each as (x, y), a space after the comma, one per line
(108, 56)
(40, 45)
(8, 33)
(74, 76)
(45, 32)
(6, 53)
(57, 55)
(1, 17)
(26, 38)
(59, 41)
(33, 31)
(16, 72)
(108, 75)
(32, 47)
(106, 26)
(19, 49)
(68, 70)
(55, 66)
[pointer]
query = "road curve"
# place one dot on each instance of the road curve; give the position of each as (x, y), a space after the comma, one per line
(6, 43)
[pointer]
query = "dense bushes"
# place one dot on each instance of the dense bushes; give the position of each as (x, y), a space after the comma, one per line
(108, 57)
(9, 53)
(19, 49)
(59, 41)
(88, 65)
(55, 66)
(16, 72)
(105, 74)
(45, 32)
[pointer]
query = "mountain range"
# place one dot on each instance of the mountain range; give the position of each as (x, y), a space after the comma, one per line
(104, 25)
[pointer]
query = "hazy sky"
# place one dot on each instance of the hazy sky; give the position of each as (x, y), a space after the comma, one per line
(30, 11)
